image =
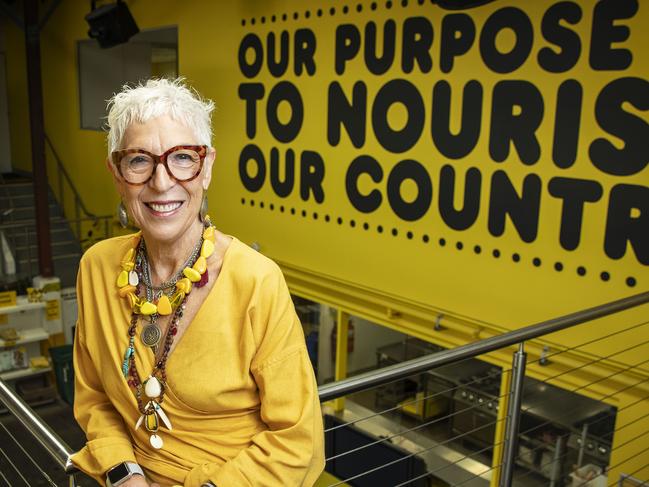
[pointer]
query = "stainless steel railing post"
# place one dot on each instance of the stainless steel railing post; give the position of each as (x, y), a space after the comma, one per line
(513, 416)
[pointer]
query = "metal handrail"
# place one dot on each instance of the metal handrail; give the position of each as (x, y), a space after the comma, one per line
(54, 445)
(9, 197)
(404, 369)
(62, 170)
(62, 452)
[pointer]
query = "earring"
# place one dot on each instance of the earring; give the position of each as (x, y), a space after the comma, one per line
(122, 215)
(203, 211)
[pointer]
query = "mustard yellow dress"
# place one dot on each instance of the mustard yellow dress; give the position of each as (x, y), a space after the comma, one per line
(241, 394)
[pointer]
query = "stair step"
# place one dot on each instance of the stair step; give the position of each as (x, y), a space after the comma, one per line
(32, 222)
(21, 213)
(29, 204)
(54, 257)
(17, 193)
(55, 233)
(6, 197)
(60, 243)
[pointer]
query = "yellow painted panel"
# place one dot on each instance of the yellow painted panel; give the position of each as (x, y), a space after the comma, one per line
(511, 290)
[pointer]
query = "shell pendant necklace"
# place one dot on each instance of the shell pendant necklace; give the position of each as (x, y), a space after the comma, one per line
(149, 393)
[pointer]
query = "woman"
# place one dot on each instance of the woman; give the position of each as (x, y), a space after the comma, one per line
(190, 362)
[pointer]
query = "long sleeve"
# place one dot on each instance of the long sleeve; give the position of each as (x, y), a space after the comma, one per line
(109, 442)
(290, 451)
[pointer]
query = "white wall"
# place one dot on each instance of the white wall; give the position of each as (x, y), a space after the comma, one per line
(367, 338)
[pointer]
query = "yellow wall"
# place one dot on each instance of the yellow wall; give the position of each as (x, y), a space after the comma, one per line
(475, 288)
(17, 95)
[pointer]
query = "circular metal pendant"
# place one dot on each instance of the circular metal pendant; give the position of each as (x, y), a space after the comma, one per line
(151, 335)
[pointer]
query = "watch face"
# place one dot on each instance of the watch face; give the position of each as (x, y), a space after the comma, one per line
(118, 473)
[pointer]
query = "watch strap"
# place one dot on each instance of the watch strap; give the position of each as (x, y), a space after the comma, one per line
(132, 468)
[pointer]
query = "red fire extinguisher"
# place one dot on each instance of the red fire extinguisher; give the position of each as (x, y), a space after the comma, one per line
(350, 339)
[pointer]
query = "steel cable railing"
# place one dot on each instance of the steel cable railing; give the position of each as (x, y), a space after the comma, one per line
(451, 464)
(629, 477)
(455, 438)
(520, 477)
(414, 401)
(419, 452)
(393, 373)
(398, 371)
(446, 417)
(15, 468)
(597, 360)
(4, 478)
(39, 430)
(571, 411)
(26, 453)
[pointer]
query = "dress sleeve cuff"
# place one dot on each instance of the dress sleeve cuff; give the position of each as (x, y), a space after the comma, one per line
(212, 473)
(99, 455)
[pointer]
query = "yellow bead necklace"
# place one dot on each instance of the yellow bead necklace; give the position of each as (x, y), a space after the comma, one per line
(149, 392)
(128, 279)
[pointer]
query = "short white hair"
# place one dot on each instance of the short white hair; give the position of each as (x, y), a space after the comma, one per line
(153, 98)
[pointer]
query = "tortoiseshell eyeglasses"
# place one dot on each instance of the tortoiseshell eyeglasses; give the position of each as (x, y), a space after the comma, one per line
(182, 162)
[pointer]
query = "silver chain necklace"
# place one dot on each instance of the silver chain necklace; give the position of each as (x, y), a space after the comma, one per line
(151, 333)
(146, 269)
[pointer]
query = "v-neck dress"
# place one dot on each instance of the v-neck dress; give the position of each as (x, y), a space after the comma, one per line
(241, 394)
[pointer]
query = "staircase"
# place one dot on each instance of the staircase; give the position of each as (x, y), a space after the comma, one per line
(18, 221)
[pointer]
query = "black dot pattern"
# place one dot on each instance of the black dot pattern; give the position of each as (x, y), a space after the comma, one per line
(604, 276)
(358, 8)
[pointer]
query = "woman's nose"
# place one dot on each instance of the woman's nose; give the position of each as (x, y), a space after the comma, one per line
(161, 180)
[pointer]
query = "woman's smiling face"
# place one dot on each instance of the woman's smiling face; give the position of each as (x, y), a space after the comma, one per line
(163, 208)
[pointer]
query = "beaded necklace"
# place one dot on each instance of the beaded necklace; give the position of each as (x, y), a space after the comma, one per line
(151, 333)
(134, 276)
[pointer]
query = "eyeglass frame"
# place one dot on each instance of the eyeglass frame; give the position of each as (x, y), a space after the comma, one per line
(201, 150)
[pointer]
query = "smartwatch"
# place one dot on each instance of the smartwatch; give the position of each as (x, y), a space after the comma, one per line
(121, 472)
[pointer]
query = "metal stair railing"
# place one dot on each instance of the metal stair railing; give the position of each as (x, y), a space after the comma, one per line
(399, 371)
(62, 453)
(79, 206)
(52, 443)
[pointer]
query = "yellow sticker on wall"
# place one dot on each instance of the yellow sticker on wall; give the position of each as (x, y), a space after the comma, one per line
(53, 310)
(8, 298)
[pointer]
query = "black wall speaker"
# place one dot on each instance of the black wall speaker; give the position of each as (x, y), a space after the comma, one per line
(111, 24)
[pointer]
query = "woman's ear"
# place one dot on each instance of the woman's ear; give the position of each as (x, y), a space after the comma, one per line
(207, 167)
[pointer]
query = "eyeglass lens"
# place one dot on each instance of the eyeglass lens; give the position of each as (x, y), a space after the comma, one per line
(137, 167)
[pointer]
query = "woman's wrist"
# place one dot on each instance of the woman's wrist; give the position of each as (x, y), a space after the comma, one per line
(122, 473)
